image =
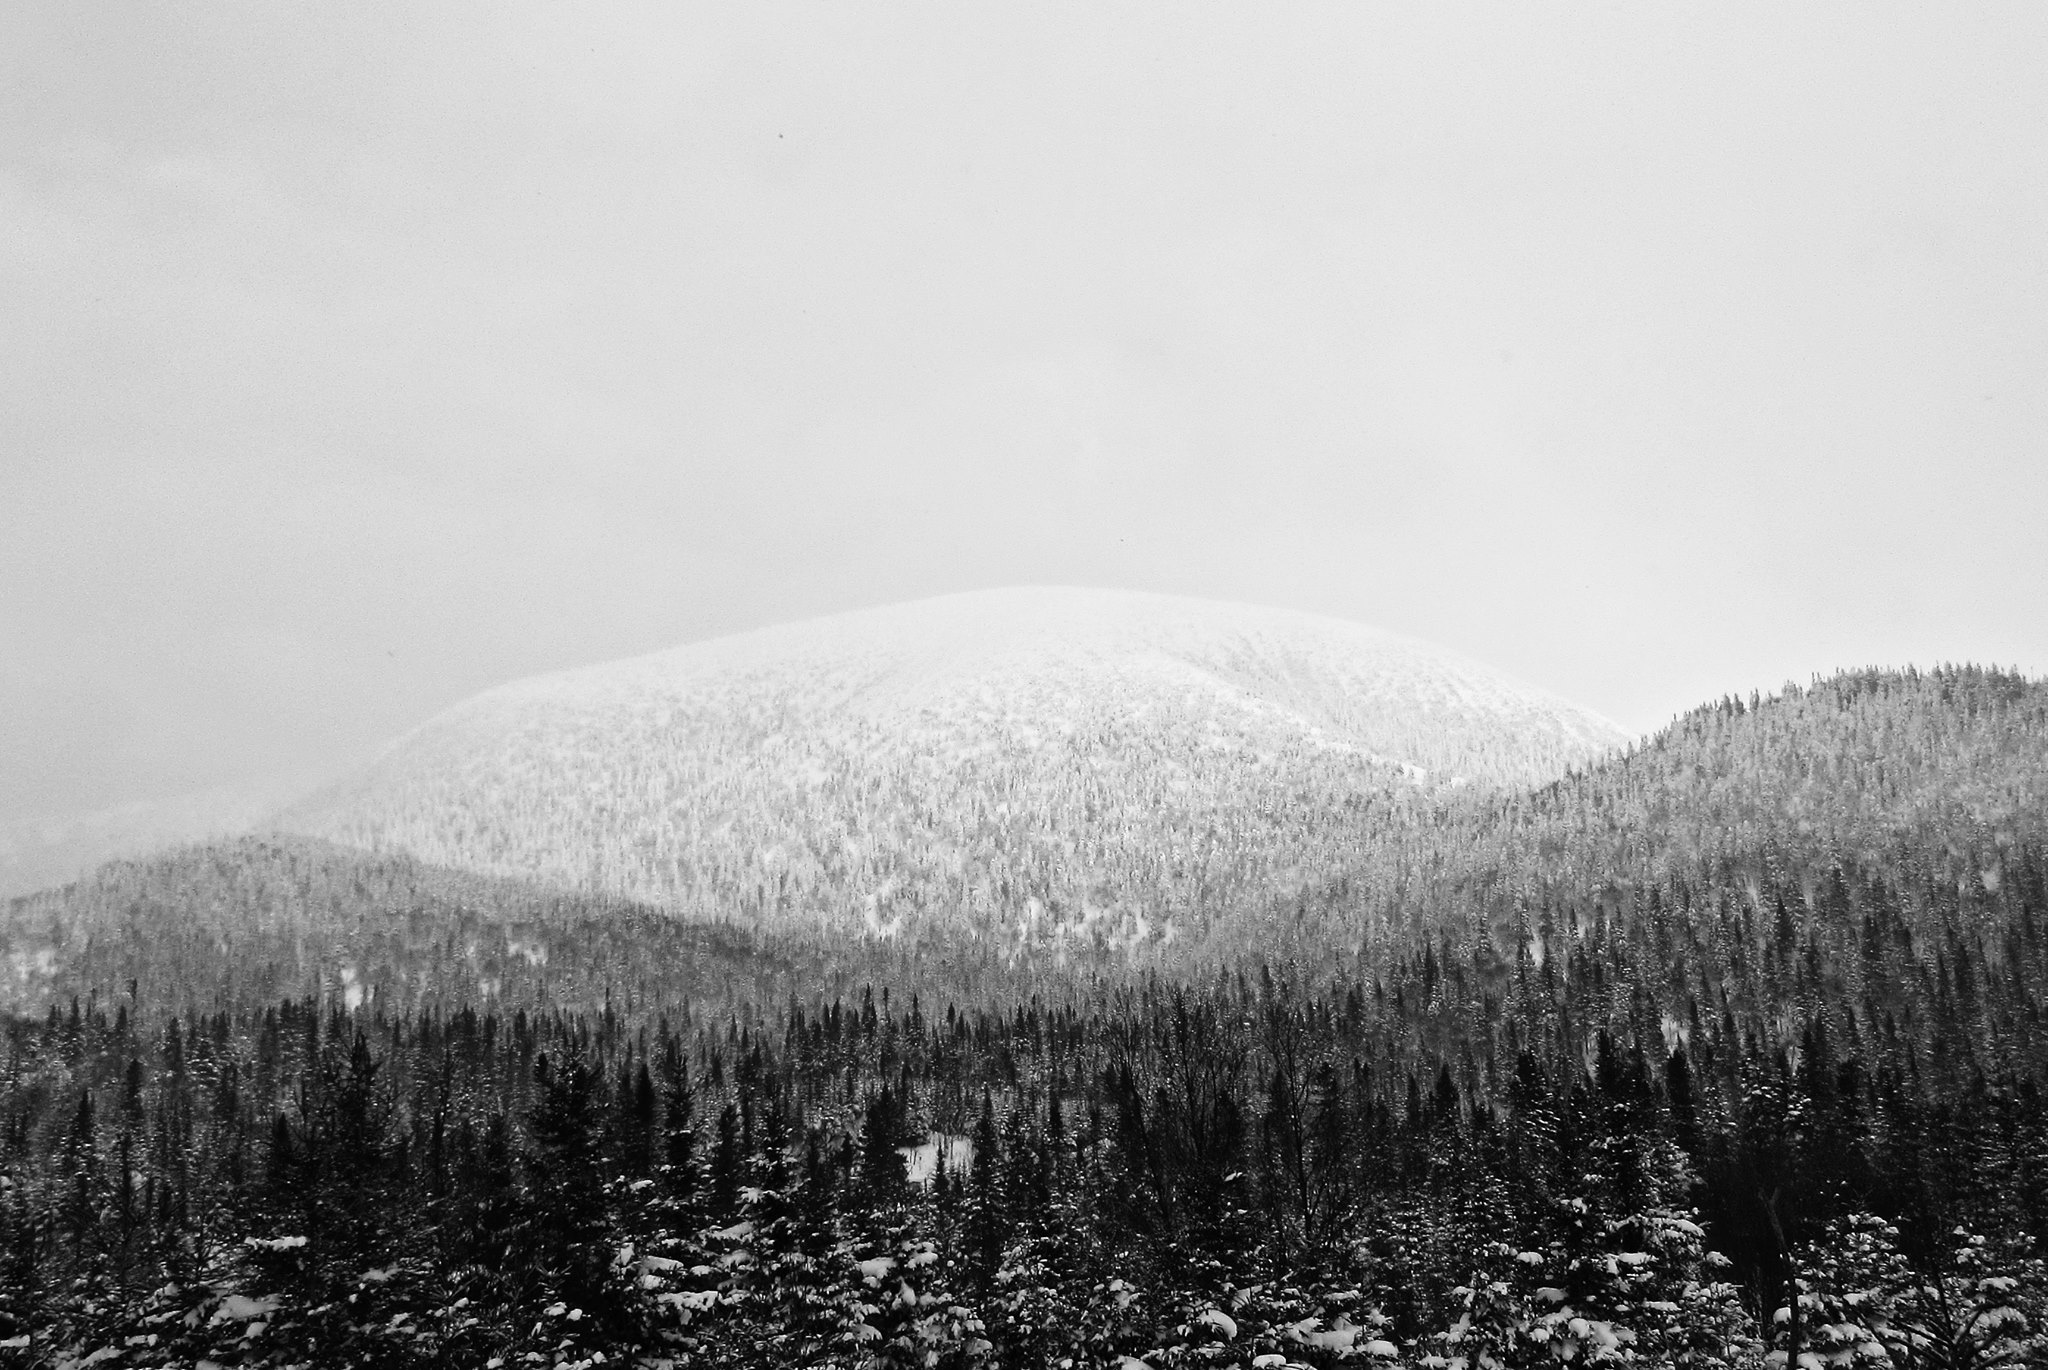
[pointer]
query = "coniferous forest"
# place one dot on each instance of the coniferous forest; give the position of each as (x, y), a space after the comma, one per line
(1729, 1051)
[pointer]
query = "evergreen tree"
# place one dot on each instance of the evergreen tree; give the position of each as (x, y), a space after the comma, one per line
(566, 1199)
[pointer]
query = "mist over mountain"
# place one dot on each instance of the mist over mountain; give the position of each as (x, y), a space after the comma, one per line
(1046, 760)
(37, 855)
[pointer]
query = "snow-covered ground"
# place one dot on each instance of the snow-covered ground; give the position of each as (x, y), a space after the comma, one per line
(921, 1162)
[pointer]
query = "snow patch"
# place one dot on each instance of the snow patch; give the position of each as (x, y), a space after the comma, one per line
(921, 1162)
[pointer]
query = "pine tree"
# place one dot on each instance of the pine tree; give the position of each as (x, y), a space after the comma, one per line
(681, 1176)
(728, 1162)
(884, 1182)
(81, 1210)
(986, 1226)
(570, 1220)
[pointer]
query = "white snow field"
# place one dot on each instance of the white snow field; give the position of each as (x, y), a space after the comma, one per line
(1029, 763)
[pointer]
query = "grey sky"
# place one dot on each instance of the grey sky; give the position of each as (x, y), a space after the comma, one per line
(358, 357)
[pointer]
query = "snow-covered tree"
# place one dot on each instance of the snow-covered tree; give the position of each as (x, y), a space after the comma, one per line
(1984, 1305)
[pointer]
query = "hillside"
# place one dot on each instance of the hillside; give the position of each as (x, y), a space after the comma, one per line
(1916, 801)
(1920, 782)
(268, 917)
(1770, 985)
(1031, 763)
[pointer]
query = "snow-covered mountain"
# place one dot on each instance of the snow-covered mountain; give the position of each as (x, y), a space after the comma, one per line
(1034, 762)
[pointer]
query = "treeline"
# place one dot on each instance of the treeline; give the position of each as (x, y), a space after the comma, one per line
(1179, 1174)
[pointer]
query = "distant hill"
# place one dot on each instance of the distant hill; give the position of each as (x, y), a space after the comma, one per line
(1896, 811)
(263, 918)
(1035, 763)
(1931, 788)
(37, 855)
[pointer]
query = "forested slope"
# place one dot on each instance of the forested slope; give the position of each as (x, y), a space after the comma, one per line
(1774, 985)
(1041, 764)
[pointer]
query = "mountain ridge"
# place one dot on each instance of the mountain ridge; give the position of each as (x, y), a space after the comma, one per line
(980, 751)
(1921, 799)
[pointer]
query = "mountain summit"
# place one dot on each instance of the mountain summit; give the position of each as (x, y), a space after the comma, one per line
(1039, 760)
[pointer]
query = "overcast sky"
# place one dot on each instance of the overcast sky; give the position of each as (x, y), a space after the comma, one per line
(357, 357)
